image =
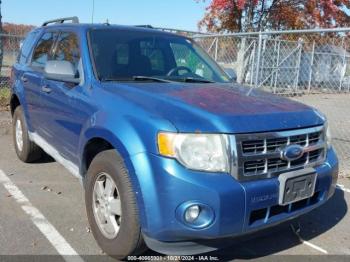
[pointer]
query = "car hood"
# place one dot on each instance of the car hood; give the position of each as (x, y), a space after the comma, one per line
(224, 108)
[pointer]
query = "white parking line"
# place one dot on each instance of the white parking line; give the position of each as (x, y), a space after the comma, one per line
(342, 187)
(309, 244)
(46, 228)
(313, 246)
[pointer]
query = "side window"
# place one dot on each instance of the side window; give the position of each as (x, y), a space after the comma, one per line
(122, 54)
(184, 56)
(42, 51)
(154, 54)
(67, 49)
(27, 48)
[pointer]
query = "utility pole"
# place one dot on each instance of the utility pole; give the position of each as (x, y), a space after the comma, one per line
(92, 13)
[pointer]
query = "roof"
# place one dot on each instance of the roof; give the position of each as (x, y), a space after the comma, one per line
(73, 22)
(85, 26)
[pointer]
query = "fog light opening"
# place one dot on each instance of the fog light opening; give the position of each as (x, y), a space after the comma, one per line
(192, 213)
(195, 215)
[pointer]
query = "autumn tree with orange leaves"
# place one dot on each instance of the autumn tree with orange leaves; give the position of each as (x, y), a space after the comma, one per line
(256, 15)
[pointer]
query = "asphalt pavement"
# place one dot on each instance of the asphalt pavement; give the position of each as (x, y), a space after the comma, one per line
(42, 212)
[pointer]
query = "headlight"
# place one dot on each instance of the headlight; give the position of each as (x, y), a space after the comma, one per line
(328, 135)
(204, 152)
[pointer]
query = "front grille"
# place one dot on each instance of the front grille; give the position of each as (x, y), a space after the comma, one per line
(273, 144)
(259, 155)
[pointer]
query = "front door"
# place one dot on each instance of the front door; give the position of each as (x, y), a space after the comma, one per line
(32, 80)
(64, 112)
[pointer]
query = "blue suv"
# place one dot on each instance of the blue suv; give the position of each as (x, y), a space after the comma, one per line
(173, 155)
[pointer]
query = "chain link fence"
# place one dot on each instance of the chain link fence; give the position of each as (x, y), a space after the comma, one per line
(315, 62)
(285, 62)
(9, 49)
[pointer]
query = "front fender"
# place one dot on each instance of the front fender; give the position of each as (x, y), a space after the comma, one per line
(130, 136)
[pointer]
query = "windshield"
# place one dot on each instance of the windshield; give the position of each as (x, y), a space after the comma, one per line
(124, 55)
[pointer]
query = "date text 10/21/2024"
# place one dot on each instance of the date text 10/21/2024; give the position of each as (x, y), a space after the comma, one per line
(173, 258)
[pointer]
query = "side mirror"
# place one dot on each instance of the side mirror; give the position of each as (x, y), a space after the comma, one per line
(61, 71)
(232, 74)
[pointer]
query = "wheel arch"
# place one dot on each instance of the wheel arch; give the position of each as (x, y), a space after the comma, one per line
(95, 141)
(14, 103)
(92, 148)
(98, 140)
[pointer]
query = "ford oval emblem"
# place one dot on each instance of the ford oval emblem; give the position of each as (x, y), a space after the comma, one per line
(292, 152)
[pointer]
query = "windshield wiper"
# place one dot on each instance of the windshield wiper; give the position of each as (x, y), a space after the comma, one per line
(192, 80)
(146, 78)
(157, 79)
(138, 78)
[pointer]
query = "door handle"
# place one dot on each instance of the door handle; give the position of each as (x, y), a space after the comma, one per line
(24, 79)
(46, 89)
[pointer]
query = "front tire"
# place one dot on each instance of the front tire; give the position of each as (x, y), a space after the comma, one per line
(111, 206)
(26, 150)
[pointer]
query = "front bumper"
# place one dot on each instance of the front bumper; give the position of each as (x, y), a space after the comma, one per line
(239, 208)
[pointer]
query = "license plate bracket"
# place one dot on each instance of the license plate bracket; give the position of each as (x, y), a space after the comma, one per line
(297, 185)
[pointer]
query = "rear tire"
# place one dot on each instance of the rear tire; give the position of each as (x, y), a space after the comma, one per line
(116, 229)
(26, 150)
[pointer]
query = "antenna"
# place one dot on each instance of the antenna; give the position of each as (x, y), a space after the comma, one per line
(93, 11)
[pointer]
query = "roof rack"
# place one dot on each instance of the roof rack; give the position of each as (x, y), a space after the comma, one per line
(73, 19)
(145, 26)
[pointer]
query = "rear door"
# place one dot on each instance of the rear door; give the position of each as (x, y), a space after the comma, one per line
(21, 66)
(32, 80)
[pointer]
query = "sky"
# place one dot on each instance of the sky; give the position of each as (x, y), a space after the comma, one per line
(179, 14)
